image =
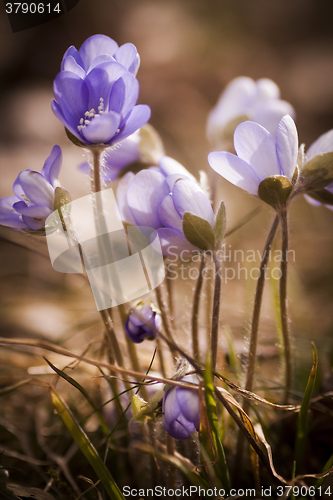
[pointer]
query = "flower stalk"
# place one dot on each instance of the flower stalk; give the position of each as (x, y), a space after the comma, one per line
(216, 311)
(254, 335)
(195, 308)
(283, 303)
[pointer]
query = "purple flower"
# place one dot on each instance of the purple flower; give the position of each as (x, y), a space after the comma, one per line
(323, 145)
(142, 322)
(181, 409)
(158, 197)
(97, 103)
(244, 99)
(34, 195)
(99, 49)
(259, 155)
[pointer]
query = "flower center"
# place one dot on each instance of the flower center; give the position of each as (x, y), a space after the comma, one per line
(89, 115)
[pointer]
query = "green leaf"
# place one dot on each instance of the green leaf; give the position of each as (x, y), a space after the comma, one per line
(275, 190)
(321, 195)
(86, 446)
(220, 467)
(317, 173)
(75, 140)
(75, 384)
(302, 421)
(220, 226)
(198, 231)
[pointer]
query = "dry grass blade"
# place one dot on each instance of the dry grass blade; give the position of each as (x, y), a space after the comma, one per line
(86, 446)
(48, 346)
(75, 384)
(181, 464)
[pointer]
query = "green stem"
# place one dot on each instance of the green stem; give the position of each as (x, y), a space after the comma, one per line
(283, 303)
(216, 312)
(254, 338)
(195, 308)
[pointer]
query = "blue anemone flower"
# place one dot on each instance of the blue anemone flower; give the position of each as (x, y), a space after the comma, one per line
(34, 195)
(181, 409)
(142, 323)
(259, 155)
(97, 102)
(98, 49)
(159, 197)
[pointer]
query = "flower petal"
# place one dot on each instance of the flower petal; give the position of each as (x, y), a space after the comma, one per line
(36, 188)
(256, 146)
(234, 101)
(287, 146)
(324, 144)
(269, 113)
(138, 117)
(95, 46)
(72, 127)
(33, 223)
(235, 170)
(188, 401)
(128, 56)
(123, 153)
(71, 51)
(266, 89)
(144, 195)
(169, 166)
(171, 408)
(101, 128)
(168, 215)
(124, 94)
(70, 64)
(189, 197)
(71, 93)
(8, 216)
(52, 165)
(174, 243)
(124, 210)
(39, 211)
(181, 428)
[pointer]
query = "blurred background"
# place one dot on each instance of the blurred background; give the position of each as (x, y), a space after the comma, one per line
(190, 50)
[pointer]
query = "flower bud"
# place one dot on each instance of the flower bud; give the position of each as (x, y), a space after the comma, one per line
(181, 409)
(142, 323)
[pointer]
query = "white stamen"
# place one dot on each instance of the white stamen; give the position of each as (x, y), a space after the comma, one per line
(89, 115)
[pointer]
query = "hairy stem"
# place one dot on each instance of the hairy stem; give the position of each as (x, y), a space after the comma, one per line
(195, 308)
(283, 303)
(254, 337)
(216, 312)
(165, 313)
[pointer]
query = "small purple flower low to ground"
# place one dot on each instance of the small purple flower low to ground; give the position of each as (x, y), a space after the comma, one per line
(259, 155)
(158, 197)
(181, 409)
(142, 322)
(96, 92)
(34, 196)
(244, 99)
